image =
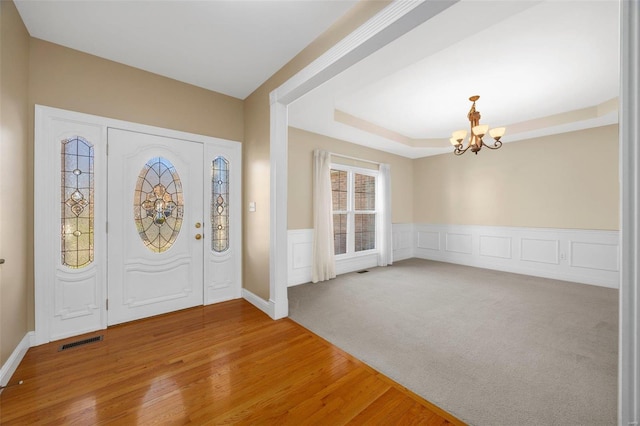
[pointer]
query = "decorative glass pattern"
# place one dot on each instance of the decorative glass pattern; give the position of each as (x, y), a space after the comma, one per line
(220, 205)
(77, 202)
(158, 204)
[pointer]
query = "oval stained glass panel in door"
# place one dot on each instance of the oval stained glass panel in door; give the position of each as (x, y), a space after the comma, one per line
(158, 204)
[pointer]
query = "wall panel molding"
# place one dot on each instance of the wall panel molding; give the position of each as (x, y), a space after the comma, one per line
(540, 250)
(457, 242)
(583, 256)
(495, 246)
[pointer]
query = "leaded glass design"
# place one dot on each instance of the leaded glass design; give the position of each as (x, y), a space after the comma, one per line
(158, 204)
(77, 202)
(220, 205)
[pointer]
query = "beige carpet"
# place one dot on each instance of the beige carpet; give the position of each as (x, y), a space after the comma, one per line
(490, 347)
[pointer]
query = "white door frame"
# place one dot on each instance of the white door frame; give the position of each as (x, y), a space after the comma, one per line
(47, 237)
(394, 21)
(629, 137)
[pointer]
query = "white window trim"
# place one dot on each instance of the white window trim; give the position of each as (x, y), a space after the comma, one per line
(350, 212)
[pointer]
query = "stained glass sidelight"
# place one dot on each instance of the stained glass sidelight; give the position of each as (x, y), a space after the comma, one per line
(220, 205)
(158, 204)
(77, 202)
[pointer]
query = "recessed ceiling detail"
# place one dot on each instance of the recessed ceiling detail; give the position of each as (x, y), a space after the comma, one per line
(551, 77)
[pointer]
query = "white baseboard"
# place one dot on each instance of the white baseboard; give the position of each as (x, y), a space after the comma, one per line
(583, 256)
(268, 307)
(9, 367)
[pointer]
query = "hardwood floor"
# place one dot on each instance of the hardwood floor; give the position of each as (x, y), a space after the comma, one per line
(221, 364)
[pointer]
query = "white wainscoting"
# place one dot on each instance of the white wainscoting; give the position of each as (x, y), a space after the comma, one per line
(300, 251)
(402, 235)
(584, 256)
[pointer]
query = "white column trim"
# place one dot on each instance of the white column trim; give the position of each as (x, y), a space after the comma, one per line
(629, 348)
(396, 19)
(278, 211)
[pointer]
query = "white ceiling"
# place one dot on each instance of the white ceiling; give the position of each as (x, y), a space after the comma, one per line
(540, 67)
(230, 46)
(527, 60)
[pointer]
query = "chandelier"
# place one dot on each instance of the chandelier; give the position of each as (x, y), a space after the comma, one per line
(477, 133)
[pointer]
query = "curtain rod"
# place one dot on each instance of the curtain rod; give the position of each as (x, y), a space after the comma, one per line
(354, 158)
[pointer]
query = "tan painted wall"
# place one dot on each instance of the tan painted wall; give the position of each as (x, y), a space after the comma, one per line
(568, 180)
(65, 78)
(256, 147)
(15, 212)
(300, 200)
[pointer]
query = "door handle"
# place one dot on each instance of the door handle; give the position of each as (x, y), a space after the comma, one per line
(198, 236)
(198, 225)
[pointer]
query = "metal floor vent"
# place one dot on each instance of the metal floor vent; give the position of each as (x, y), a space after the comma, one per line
(81, 342)
(363, 271)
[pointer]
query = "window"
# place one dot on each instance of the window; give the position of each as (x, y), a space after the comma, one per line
(354, 209)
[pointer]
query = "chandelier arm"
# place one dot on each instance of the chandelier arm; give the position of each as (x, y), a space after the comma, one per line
(496, 145)
(459, 151)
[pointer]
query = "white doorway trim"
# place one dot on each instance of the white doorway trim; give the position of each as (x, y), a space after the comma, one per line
(629, 324)
(46, 233)
(392, 22)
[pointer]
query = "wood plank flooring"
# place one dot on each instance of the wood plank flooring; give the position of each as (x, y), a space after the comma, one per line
(227, 363)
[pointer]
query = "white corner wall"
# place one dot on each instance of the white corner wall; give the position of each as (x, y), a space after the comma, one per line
(583, 256)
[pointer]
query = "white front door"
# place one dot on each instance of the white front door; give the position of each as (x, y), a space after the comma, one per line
(155, 228)
(155, 192)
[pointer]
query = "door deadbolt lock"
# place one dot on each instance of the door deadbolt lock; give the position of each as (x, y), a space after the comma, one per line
(198, 225)
(198, 236)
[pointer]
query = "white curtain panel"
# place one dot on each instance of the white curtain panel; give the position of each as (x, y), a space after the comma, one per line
(324, 264)
(383, 231)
